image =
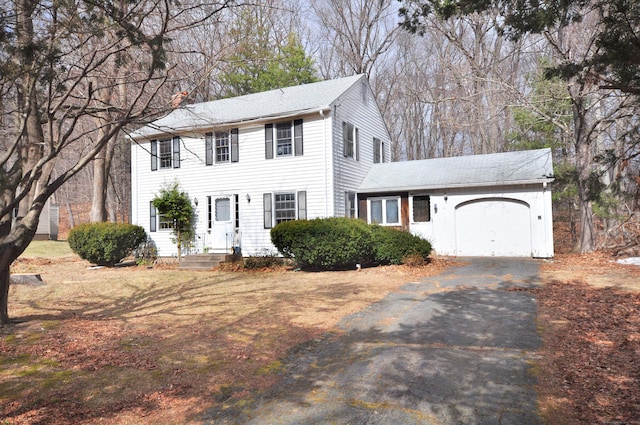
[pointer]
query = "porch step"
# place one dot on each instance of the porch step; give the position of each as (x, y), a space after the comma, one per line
(206, 261)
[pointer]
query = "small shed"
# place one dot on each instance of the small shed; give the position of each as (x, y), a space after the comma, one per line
(48, 223)
(480, 205)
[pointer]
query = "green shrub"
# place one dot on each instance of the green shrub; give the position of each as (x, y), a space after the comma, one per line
(324, 244)
(392, 246)
(105, 244)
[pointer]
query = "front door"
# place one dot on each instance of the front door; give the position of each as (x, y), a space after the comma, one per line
(223, 221)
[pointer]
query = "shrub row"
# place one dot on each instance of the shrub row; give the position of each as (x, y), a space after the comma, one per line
(105, 244)
(340, 243)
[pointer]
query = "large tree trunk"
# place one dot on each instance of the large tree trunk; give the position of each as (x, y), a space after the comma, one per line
(584, 163)
(4, 291)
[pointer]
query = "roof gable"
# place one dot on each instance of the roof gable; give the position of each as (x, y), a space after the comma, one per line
(532, 166)
(289, 101)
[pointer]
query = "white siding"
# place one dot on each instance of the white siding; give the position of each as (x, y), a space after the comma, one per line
(366, 117)
(444, 231)
(253, 175)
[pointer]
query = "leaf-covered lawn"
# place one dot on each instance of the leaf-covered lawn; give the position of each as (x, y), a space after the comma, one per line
(158, 346)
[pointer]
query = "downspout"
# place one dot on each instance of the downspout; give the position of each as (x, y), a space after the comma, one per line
(326, 165)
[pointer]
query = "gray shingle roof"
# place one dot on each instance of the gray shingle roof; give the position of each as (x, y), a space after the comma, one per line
(287, 101)
(532, 166)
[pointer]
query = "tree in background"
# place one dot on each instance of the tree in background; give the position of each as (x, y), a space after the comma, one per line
(599, 85)
(174, 207)
(260, 61)
(56, 108)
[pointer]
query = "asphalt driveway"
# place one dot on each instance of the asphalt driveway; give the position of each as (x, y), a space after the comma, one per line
(450, 349)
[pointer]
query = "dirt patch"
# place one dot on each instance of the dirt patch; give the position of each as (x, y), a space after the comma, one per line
(147, 346)
(589, 367)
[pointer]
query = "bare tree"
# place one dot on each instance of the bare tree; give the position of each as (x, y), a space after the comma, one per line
(54, 105)
(356, 34)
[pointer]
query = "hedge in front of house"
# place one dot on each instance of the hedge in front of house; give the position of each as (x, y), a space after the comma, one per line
(339, 243)
(105, 244)
(324, 244)
(392, 246)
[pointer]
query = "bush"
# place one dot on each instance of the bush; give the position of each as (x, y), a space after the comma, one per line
(105, 244)
(341, 243)
(324, 244)
(392, 246)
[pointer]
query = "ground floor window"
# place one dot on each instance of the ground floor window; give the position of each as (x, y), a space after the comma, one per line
(384, 211)
(284, 206)
(350, 204)
(421, 209)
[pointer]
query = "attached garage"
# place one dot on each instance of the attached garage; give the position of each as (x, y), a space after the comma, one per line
(493, 227)
(481, 205)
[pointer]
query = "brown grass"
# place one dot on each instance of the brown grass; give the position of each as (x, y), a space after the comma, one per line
(148, 346)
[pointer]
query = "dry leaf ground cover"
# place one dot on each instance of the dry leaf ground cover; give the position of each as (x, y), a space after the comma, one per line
(589, 315)
(157, 346)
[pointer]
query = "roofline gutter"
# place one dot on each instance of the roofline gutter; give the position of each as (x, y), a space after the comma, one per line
(178, 130)
(455, 186)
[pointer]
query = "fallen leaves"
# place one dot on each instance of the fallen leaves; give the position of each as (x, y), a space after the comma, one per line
(589, 367)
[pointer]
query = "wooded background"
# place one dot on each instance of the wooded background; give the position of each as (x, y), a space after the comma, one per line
(446, 86)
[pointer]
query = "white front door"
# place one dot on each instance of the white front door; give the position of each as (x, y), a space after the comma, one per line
(223, 232)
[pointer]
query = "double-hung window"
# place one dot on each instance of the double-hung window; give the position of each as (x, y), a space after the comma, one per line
(165, 153)
(350, 145)
(384, 211)
(284, 206)
(221, 146)
(283, 139)
(158, 221)
(378, 151)
(350, 204)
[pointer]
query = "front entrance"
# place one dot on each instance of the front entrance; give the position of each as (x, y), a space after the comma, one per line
(222, 213)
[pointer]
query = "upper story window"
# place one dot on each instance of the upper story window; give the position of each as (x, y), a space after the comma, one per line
(221, 146)
(384, 211)
(283, 139)
(166, 153)
(378, 151)
(350, 145)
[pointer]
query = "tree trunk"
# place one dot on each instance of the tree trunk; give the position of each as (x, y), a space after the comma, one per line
(4, 290)
(583, 169)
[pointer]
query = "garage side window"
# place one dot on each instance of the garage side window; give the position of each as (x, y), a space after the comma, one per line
(421, 209)
(384, 211)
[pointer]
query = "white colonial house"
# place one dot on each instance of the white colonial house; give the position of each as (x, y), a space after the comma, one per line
(253, 161)
(481, 205)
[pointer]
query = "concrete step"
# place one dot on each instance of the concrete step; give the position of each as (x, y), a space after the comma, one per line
(206, 261)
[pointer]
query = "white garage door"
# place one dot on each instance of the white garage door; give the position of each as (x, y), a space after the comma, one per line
(493, 227)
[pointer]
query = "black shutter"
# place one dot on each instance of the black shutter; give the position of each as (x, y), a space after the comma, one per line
(176, 152)
(268, 141)
(154, 155)
(208, 148)
(234, 145)
(297, 135)
(376, 151)
(268, 211)
(345, 139)
(152, 217)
